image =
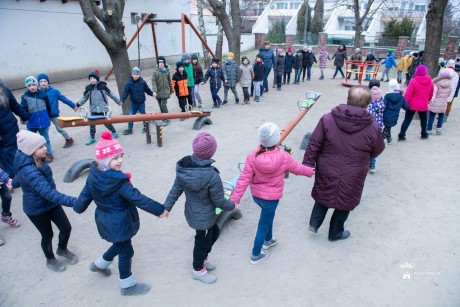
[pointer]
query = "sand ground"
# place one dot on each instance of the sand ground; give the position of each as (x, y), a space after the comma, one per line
(409, 213)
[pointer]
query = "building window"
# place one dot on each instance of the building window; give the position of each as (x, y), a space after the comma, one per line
(350, 28)
(294, 5)
(420, 7)
(134, 18)
(282, 5)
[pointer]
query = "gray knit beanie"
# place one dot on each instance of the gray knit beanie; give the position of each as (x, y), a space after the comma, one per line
(269, 134)
(29, 142)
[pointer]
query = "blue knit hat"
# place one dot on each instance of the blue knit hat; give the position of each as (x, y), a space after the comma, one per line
(186, 56)
(136, 70)
(179, 64)
(43, 76)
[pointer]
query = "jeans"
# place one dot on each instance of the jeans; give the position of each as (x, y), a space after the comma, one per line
(235, 93)
(7, 153)
(5, 195)
(43, 132)
(163, 104)
(196, 93)
(309, 71)
(136, 107)
(431, 118)
(408, 119)
(298, 72)
(304, 70)
(386, 72)
(336, 225)
(43, 223)
(215, 96)
(125, 253)
(337, 69)
(287, 77)
(266, 73)
(399, 75)
(372, 162)
(92, 128)
(204, 240)
(368, 69)
(265, 227)
(64, 133)
(257, 88)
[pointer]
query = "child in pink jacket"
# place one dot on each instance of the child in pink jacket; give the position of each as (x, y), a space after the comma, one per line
(264, 171)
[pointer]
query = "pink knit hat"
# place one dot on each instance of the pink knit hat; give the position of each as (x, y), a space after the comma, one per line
(421, 70)
(204, 146)
(107, 148)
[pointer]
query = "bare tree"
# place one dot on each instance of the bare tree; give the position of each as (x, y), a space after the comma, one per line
(107, 25)
(434, 22)
(202, 29)
(219, 40)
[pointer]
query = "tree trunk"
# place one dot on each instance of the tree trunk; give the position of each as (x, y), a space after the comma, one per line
(434, 22)
(122, 70)
(202, 29)
(358, 31)
(220, 40)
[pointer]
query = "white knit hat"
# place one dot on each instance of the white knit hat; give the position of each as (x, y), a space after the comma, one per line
(28, 142)
(393, 85)
(269, 134)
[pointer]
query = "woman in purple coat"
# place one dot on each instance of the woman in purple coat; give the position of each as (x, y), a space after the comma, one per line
(340, 149)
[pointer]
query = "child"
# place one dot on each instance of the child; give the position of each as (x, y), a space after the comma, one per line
(394, 101)
(188, 67)
(376, 108)
(279, 70)
(216, 76)
(289, 64)
(323, 57)
(117, 219)
(389, 63)
(161, 86)
(7, 217)
(179, 83)
(41, 201)
(37, 105)
(403, 65)
(198, 78)
(264, 171)
(97, 92)
(258, 77)
(246, 74)
(357, 56)
(203, 194)
(135, 87)
(298, 66)
(438, 105)
(54, 96)
(230, 70)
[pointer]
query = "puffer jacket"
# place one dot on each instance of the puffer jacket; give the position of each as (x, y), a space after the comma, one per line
(376, 108)
(39, 194)
(38, 108)
(441, 92)
(309, 58)
(197, 73)
(216, 76)
(265, 174)
(404, 63)
(389, 61)
(230, 70)
(246, 74)
(136, 90)
(54, 96)
(97, 95)
(298, 60)
(454, 77)
(117, 219)
(161, 83)
(203, 192)
(376, 93)
(419, 92)
(289, 63)
(188, 67)
(339, 58)
(258, 71)
(179, 84)
(8, 122)
(340, 148)
(323, 56)
(268, 57)
(280, 65)
(393, 101)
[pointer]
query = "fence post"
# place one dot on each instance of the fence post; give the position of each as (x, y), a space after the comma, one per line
(289, 40)
(403, 41)
(451, 48)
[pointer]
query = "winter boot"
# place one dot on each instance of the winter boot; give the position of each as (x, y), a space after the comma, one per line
(101, 266)
(237, 101)
(130, 287)
(55, 265)
(70, 258)
(127, 131)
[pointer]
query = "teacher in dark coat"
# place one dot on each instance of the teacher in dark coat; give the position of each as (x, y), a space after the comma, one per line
(340, 148)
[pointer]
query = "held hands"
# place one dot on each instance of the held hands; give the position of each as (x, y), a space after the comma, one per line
(75, 109)
(154, 94)
(9, 184)
(165, 214)
(311, 171)
(236, 206)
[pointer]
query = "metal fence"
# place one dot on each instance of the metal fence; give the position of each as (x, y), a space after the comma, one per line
(347, 40)
(312, 39)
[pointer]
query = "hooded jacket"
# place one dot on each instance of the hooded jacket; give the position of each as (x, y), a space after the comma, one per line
(203, 192)
(268, 57)
(339, 58)
(376, 107)
(441, 92)
(136, 90)
(298, 60)
(323, 56)
(39, 194)
(246, 74)
(230, 70)
(280, 65)
(8, 122)
(38, 108)
(54, 95)
(197, 73)
(179, 83)
(258, 71)
(454, 77)
(265, 174)
(308, 59)
(216, 76)
(419, 92)
(161, 83)
(340, 148)
(393, 101)
(389, 61)
(116, 199)
(404, 63)
(289, 63)
(97, 95)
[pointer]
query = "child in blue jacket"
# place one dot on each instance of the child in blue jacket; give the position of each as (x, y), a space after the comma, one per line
(135, 87)
(216, 76)
(389, 63)
(394, 101)
(117, 219)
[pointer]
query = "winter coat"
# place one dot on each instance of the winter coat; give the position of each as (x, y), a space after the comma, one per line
(371, 58)
(8, 122)
(419, 92)
(230, 70)
(54, 96)
(393, 101)
(455, 81)
(308, 58)
(258, 72)
(39, 194)
(203, 192)
(413, 66)
(38, 108)
(136, 90)
(289, 63)
(323, 56)
(97, 95)
(246, 74)
(340, 148)
(216, 76)
(389, 61)
(4, 177)
(441, 92)
(117, 219)
(280, 65)
(161, 83)
(298, 60)
(265, 174)
(376, 108)
(188, 68)
(357, 56)
(268, 57)
(179, 84)
(197, 73)
(404, 63)
(376, 93)
(339, 58)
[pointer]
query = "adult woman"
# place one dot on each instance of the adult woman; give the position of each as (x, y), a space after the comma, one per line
(339, 58)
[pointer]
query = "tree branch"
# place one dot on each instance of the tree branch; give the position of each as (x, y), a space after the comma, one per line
(93, 24)
(97, 11)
